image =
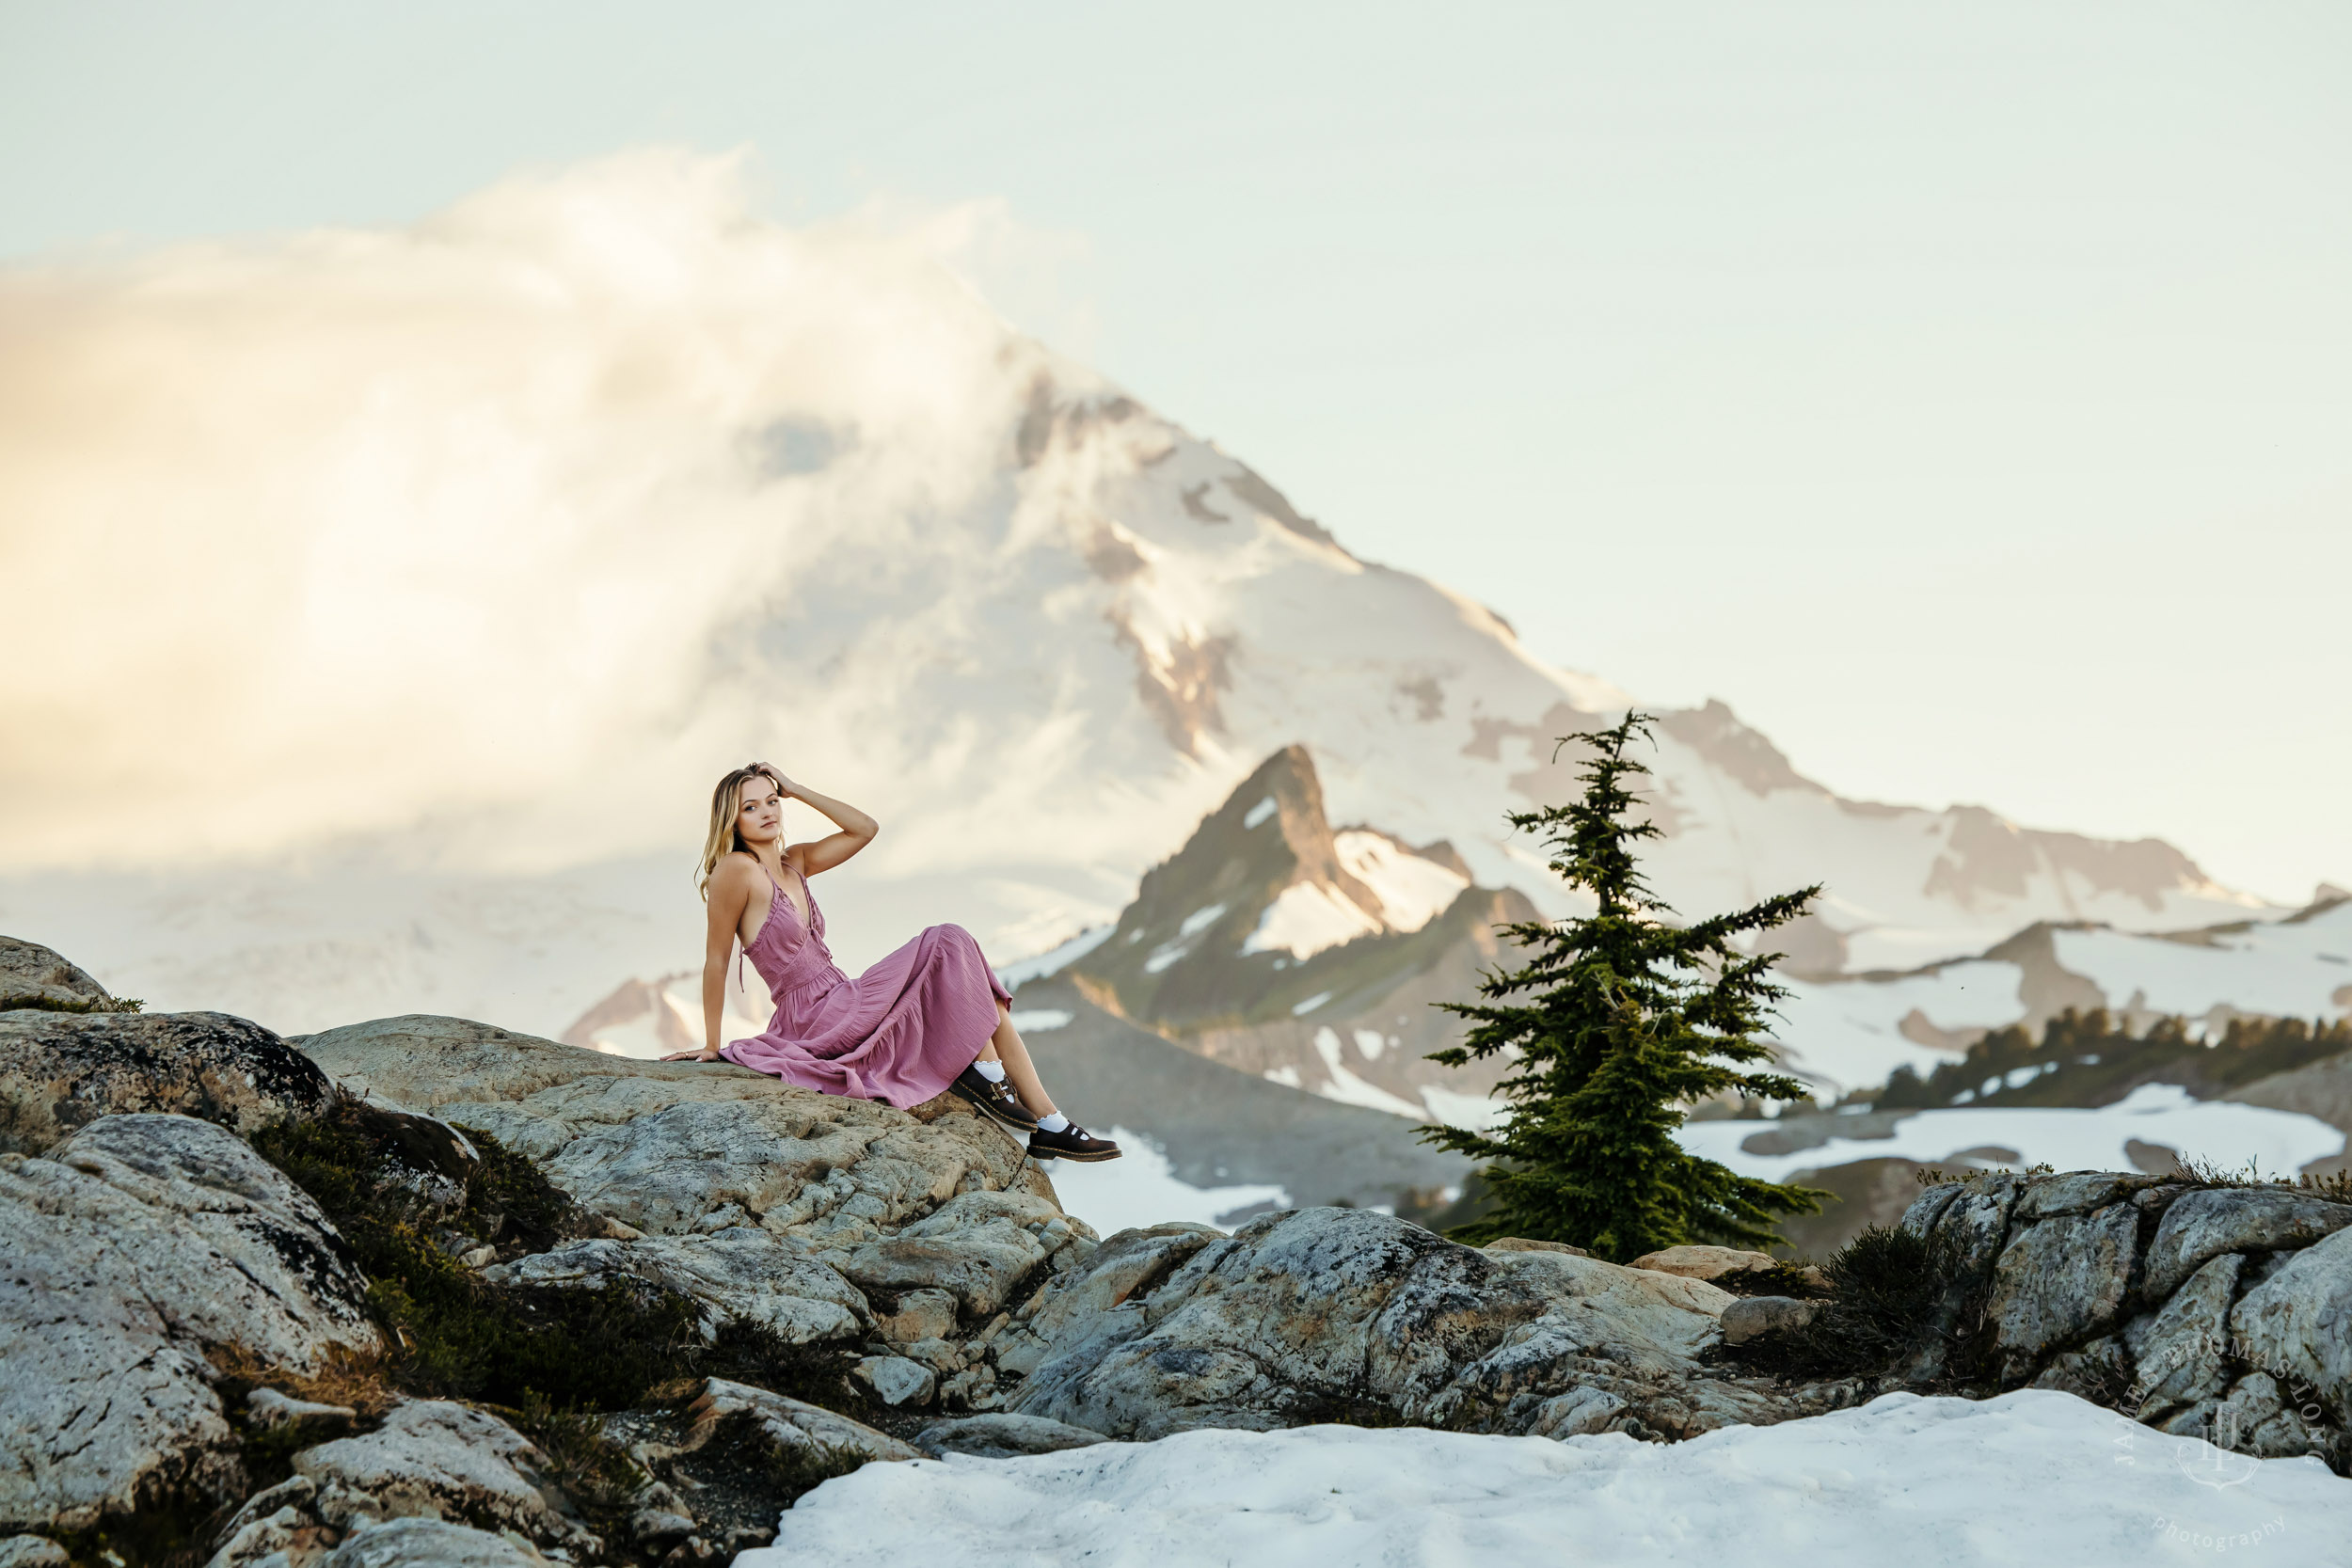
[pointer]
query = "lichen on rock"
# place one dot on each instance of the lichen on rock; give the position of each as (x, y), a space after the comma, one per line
(60, 1071)
(136, 1248)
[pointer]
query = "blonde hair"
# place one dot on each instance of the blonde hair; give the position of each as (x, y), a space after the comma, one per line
(726, 804)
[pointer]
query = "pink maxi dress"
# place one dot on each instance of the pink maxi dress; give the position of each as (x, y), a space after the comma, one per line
(900, 1033)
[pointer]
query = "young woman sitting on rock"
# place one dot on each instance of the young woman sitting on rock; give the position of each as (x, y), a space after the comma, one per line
(929, 1017)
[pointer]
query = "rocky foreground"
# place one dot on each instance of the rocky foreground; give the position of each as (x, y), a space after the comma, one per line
(200, 1370)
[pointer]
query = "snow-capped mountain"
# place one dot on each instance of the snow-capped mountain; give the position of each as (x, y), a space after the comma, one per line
(709, 488)
(1146, 618)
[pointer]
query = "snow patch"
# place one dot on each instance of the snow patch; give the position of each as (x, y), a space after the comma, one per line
(1200, 921)
(1473, 1111)
(2299, 970)
(1037, 1021)
(1317, 1000)
(1370, 1043)
(2066, 1138)
(1259, 813)
(2034, 1475)
(1141, 1188)
(1412, 891)
(1844, 1034)
(1348, 1089)
(1013, 975)
(1308, 917)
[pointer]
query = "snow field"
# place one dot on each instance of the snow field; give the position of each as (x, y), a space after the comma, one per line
(2031, 1476)
(1141, 1188)
(2289, 968)
(2220, 1131)
(1848, 1034)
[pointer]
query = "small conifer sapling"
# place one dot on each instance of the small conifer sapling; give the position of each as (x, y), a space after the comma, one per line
(1615, 1023)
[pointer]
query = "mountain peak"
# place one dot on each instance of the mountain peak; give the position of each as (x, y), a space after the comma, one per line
(1264, 886)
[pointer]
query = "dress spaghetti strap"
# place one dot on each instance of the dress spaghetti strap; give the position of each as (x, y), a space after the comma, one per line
(775, 890)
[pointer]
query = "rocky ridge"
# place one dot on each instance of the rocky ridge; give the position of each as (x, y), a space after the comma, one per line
(178, 1312)
(2218, 1312)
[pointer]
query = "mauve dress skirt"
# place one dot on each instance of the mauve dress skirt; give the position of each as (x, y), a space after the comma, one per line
(900, 1033)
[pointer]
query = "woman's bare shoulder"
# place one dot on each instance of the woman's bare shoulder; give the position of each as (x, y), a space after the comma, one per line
(736, 868)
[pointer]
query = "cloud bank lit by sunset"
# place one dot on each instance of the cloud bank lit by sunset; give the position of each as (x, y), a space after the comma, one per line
(346, 532)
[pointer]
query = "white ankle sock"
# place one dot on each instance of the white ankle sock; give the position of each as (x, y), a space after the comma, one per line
(1054, 1123)
(992, 1071)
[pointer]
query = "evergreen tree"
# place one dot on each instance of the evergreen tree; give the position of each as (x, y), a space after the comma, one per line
(1618, 1020)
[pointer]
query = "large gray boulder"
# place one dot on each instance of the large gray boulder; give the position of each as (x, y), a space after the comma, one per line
(2218, 1312)
(137, 1249)
(59, 1071)
(684, 1148)
(1325, 1314)
(32, 975)
(768, 1203)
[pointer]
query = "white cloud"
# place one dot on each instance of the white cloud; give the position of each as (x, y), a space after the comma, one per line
(349, 533)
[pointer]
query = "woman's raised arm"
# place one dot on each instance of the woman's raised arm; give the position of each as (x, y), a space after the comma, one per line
(857, 830)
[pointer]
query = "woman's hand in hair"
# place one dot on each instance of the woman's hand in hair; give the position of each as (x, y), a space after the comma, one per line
(785, 786)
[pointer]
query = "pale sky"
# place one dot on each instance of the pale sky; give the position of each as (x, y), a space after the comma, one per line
(1964, 394)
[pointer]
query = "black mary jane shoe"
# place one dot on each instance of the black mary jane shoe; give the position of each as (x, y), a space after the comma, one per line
(994, 1100)
(1072, 1142)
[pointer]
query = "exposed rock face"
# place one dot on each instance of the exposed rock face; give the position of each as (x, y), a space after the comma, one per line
(790, 1423)
(1003, 1435)
(1703, 1262)
(896, 1380)
(739, 1274)
(2202, 1226)
(1305, 1316)
(134, 1248)
(1520, 1244)
(2181, 1353)
(1753, 1317)
(2219, 1311)
(684, 1148)
(430, 1462)
(62, 1070)
(2061, 1279)
(2296, 1324)
(432, 1459)
(769, 1204)
(430, 1544)
(32, 975)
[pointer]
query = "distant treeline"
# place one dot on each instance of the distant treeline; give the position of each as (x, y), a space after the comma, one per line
(2092, 1060)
